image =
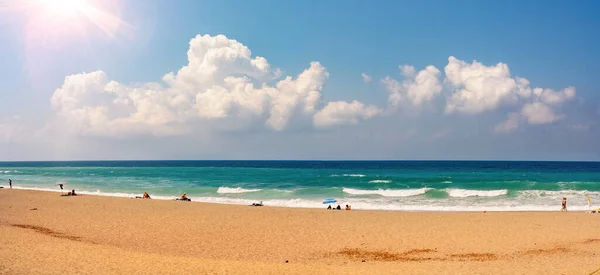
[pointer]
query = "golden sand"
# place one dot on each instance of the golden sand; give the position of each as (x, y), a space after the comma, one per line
(44, 233)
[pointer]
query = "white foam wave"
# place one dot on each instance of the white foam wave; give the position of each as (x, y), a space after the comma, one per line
(387, 192)
(555, 193)
(447, 181)
(380, 181)
(349, 175)
(237, 190)
(463, 193)
(386, 203)
(96, 193)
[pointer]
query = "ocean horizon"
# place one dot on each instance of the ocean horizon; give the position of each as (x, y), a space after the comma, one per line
(403, 185)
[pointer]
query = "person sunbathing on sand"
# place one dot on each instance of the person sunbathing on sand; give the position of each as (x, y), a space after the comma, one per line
(257, 204)
(145, 196)
(348, 207)
(72, 193)
(183, 198)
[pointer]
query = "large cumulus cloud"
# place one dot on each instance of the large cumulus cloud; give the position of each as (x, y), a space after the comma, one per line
(474, 88)
(222, 81)
(223, 86)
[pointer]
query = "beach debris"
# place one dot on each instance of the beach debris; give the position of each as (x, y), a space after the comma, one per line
(33, 208)
(286, 261)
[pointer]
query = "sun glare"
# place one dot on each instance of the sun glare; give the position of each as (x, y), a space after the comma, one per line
(55, 21)
(64, 8)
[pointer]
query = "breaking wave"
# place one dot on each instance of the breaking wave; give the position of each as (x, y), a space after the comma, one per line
(380, 181)
(387, 192)
(237, 190)
(463, 193)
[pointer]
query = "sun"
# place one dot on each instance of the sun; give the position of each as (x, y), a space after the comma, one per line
(64, 8)
(52, 25)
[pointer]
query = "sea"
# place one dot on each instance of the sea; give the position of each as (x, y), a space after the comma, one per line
(365, 185)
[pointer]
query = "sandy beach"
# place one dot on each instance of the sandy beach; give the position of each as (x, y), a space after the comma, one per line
(44, 233)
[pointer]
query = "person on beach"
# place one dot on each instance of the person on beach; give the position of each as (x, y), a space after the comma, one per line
(183, 198)
(329, 207)
(348, 207)
(589, 202)
(71, 193)
(10, 183)
(338, 207)
(145, 196)
(564, 204)
(257, 204)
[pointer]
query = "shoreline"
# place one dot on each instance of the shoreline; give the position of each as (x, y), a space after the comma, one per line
(223, 200)
(44, 233)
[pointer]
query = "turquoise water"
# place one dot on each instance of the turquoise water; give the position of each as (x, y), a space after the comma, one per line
(386, 185)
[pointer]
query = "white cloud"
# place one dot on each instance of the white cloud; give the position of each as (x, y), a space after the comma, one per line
(549, 96)
(418, 88)
(509, 125)
(224, 86)
(341, 112)
(366, 78)
(479, 88)
(222, 81)
(394, 89)
(539, 113)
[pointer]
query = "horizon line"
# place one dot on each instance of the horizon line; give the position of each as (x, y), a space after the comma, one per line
(304, 160)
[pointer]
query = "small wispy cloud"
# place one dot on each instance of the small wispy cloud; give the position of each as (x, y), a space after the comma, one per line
(366, 78)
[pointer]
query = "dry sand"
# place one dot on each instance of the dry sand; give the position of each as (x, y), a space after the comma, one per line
(44, 233)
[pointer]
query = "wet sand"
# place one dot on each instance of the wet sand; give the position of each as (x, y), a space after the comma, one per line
(44, 233)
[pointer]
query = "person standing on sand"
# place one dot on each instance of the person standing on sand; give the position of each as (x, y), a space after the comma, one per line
(10, 183)
(589, 203)
(564, 204)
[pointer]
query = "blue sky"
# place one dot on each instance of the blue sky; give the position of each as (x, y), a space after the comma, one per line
(552, 44)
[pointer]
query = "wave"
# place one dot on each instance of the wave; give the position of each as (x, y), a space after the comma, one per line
(380, 181)
(237, 190)
(555, 193)
(463, 193)
(98, 193)
(380, 203)
(349, 175)
(387, 192)
(10, 171)
(447, 181)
